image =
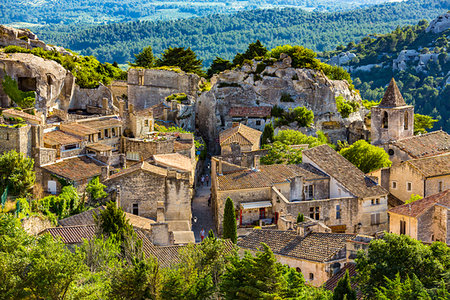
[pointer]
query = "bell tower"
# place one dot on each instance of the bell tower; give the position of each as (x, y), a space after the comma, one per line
(392, 119)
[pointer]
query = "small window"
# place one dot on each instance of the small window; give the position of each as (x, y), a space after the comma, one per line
(136, 209)
(402, 227)
(385, 120)
(99, 135)
(7, 136)
(375, 219)
(377, 201)
(106, 133)
(440, 186)
(317, 213)
(409, 186)
(394, 184)
(405, 121)
(338, 211)
(298, 269)
(258, 122)
(311, 276)
(311, 212)
(113, 130)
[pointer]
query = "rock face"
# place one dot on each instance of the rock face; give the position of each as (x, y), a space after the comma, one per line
(305, 87)
(52, 83)
(440, 24)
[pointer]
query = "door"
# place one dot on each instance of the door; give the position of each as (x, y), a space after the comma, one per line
(262, 213)
(51, 186)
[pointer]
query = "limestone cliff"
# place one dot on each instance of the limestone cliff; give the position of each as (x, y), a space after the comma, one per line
(264, 85)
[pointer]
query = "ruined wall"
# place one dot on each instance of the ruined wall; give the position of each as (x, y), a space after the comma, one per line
(146, 148)
(96, 101)
(19, 139)
(179, 194)
(147, 87)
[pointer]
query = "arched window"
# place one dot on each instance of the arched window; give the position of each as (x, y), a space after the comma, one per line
(405, 120)
(385, 120)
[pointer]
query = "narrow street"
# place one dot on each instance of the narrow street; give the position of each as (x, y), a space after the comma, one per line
(202, 212)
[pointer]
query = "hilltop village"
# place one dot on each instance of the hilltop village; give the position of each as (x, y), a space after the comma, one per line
(171, 154)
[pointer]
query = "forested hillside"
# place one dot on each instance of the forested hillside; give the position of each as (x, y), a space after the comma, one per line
(110, 11)
(225, 35)
(415, 56)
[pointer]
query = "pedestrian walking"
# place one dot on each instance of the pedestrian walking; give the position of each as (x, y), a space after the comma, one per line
(202, 234)
(202, 180)
(207, 180)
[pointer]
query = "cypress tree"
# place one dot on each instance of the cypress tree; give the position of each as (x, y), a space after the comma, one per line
(229, 221)
(300, 218)
(267, 136)
(344, 289)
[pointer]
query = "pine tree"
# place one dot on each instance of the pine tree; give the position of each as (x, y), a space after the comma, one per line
(229, 221)
(267, 136)
(344, 289)
(185, 59)
(144, 59)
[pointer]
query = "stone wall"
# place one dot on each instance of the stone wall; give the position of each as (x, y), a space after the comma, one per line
(179, 194)
(19, 139)
(433, 184)
(147, 87)
(36, 224)
(146, 148)
(395, 125)
(96, 101)
(402, 174)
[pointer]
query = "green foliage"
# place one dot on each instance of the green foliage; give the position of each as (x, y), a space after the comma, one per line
(22, 99)
(300, 218)
(229, 221)
(277, 111)
(113, 222)
(369, 104)
(205, 86)
(293, 137)
(88, 71)
(144, 59)
(366, 157)
(280, 153)
(219, 65)
(413, 198)
(16, 172)
(397, 289)
(65, 204)
(95, 189)
(303, 116)
(345, 107)
(185, 59)
(422, 123)
(179, 97)
(402, 255)
(267, 135)
(253, 51)
(285, 97)
(161, 128)
(343, 289)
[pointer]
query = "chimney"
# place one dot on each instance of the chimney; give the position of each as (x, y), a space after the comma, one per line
(256, 162)
(131, 108)
(105, 173)
(121, 108)
(117, 196)
(235, 124)
(105, 103)
(165, 113)
(220, 171)
(160, 215)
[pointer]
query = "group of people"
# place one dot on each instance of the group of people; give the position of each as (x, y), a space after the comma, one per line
(204, 179)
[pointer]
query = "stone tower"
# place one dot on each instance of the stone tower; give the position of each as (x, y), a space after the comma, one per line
(392, 119)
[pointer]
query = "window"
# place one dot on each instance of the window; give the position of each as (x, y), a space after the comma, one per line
(409, 186)
(298, 269)
(385, 122)
(394, 184)
(136, 209)
(70, 147)
(262, 213)
(258, 122)
(402, 227)
(338, 211)
(106, 133)
(133, 156)
(7, 136)
(314, 213)
(375, 201)
(391, 152)
(405, 121)
(113, 130)
(141, 79)
(309, 191)
(99, 135)
(146, 123)
(311, 276)
(440, 186)
(375, 219)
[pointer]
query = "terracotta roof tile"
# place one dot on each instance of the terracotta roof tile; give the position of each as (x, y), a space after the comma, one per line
(145, 166)
(21, 114)
(250, 111)
(418, 207)
(77, 168)
(432, 166)
(266, 176)
(58, 137)
(77, 129)
(243, 133)
(335, 165)
(100, 147)
(102, 123)
(392, 96)
(429, 144)
(174, 160)
(72, 234)
(316, 246)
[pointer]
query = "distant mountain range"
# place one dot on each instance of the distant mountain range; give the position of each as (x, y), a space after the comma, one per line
(224, 35)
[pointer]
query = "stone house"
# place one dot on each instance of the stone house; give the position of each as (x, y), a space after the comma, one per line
(28, 118)
(141, 122)
(66, 145)
(326, 187)
(109, 130)
(255, 117)
(427, 219)
(239, 138)
(318, 256)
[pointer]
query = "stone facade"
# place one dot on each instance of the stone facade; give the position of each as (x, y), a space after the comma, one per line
(19, 139)
(388, 124)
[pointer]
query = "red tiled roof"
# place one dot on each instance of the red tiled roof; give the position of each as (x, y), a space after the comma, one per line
(72, 234)
(77, 168)
(58, 137)
(418, 207)
(432, 166)
(250, 111)
(247, 135)
(429, 144)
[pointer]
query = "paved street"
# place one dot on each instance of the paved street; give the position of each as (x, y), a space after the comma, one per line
(203, 213)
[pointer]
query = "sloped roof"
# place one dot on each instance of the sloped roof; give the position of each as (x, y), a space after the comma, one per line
(146, 112)
(58, 137)
(250, 111)
(335, 165)
(21, 114)
(241, 134)
(72, 234)
(432, 166)
(429, 144)
(174, 160)
(100, 147)
(77, 129)
(102, 123)
(266, 176)
(392, 96)
(145, 166)
(316, 246)
(418, 207)
(77, 168)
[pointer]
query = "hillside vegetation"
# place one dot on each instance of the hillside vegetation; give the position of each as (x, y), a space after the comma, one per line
(224, 35)
(417, 59)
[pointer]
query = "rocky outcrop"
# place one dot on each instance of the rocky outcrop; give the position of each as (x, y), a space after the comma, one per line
(440, 24)
(259, 85)
(341, 59)
(52, 83)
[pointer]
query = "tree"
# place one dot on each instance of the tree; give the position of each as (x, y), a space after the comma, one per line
(185, 59)
(396, 289)
(303, 116)
(300, 218)
(16, 173)
(267, 135)
(422, 123)
(144, 59)
(22, 99)
(294, 137)
(344, 289)
(279, 153)
(95, 189)
(254, 50)
(229, 221)
(219, 65)
(366, 157)
(413, 198)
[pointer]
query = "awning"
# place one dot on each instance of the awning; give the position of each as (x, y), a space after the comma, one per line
(253, 205)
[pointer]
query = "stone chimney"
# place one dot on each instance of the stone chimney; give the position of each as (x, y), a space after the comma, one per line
(160, 212)
(121, 108)
(256, 162)
(131, 108)
(105, 173)
(117, 196)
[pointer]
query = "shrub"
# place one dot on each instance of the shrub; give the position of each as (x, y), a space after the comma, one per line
(345, 107)
(285, 97)
(179, 97)
(22, 99)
